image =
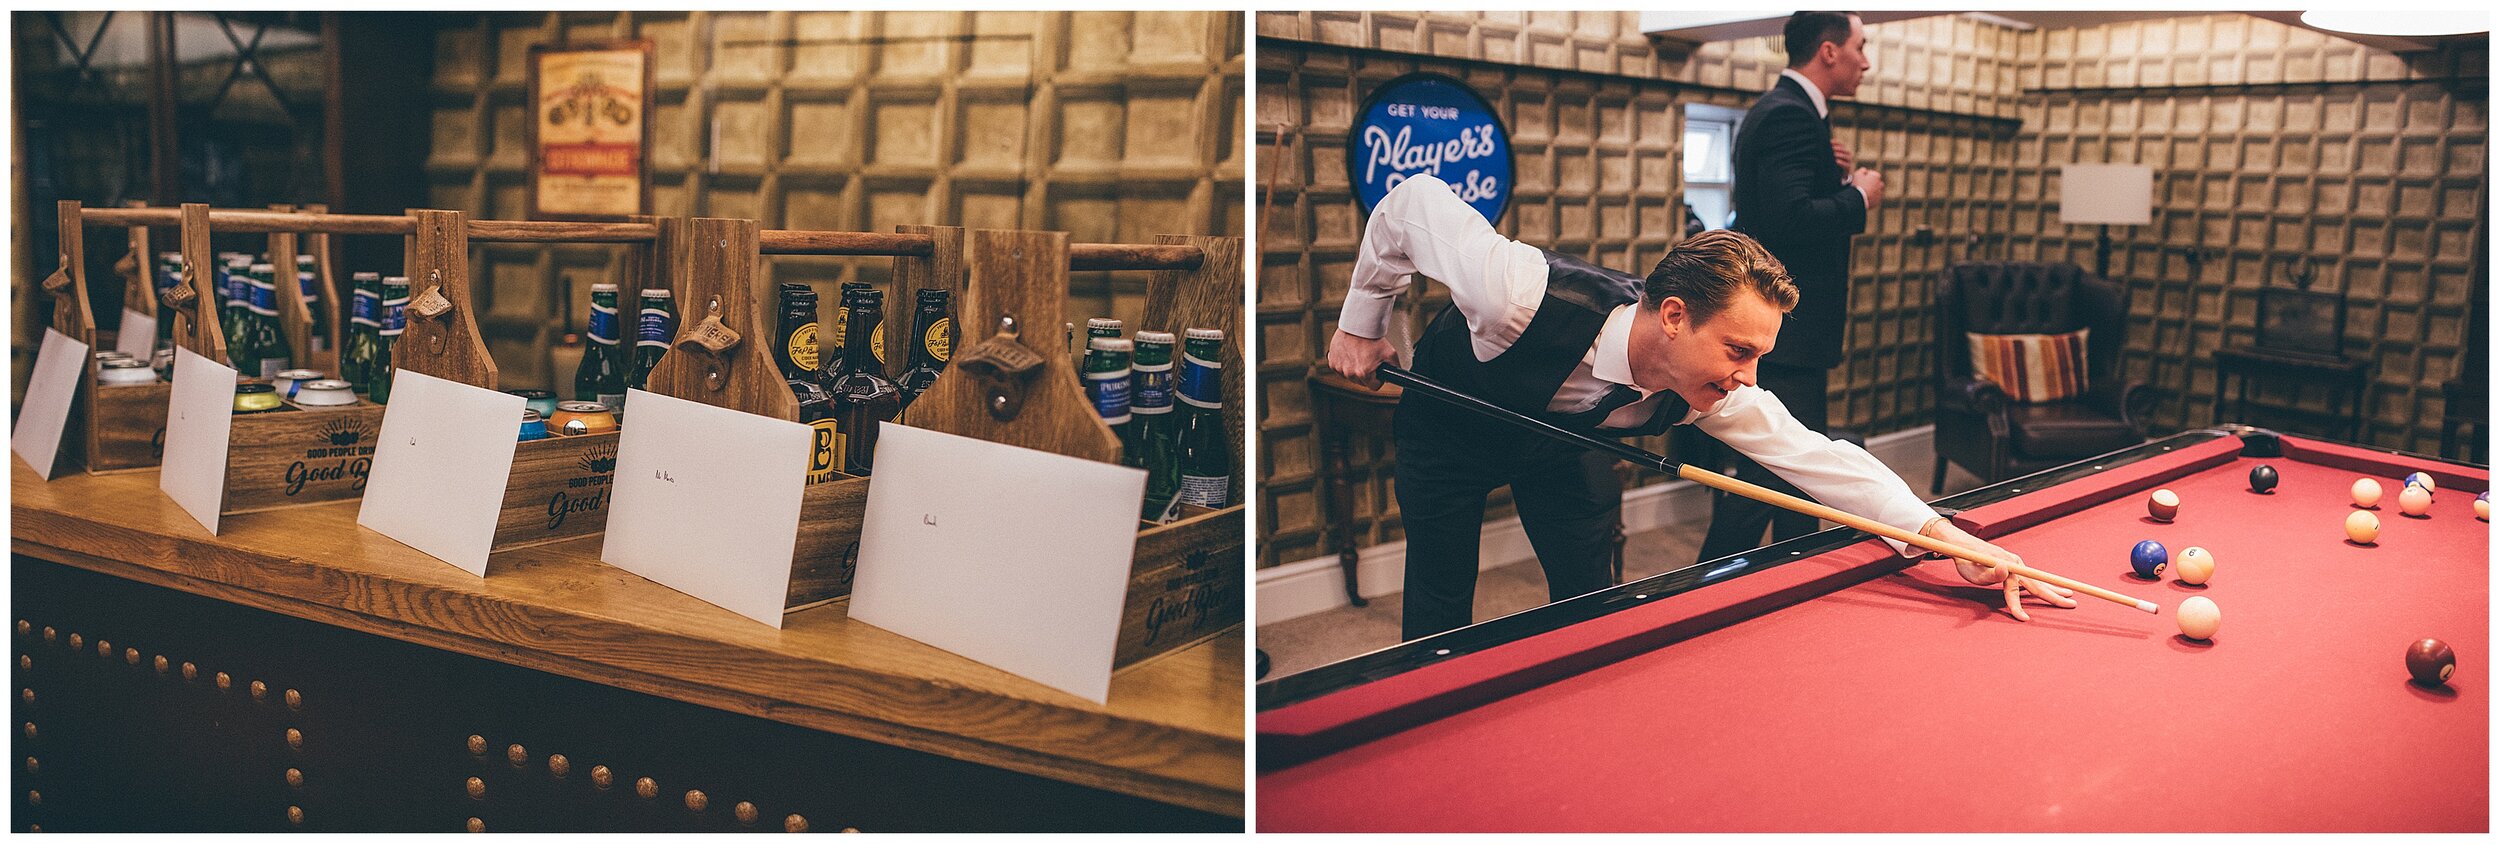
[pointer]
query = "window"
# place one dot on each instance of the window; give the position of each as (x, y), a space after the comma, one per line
(1709, 162)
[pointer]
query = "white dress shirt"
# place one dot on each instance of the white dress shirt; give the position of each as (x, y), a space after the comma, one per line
(1497, 284)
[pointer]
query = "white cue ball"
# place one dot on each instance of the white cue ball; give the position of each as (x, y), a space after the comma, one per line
(2361, 526)
(2195, 565)
(2482, 509)
(2199, 618)
(2365, 492)
(2414, 500)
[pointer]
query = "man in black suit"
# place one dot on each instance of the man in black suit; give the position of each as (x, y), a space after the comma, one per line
(1799, 192)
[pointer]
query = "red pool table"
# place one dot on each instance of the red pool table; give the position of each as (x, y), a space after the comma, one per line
(1825, 684)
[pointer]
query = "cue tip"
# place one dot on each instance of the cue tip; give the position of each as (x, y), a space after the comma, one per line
(2148, 606)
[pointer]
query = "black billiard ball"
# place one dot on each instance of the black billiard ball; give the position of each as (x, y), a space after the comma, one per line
(2431, 662)
(2262, 479)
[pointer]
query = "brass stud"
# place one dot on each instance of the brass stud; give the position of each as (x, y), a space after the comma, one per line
(602, 777)
(558, 765)
(476, 825)
(103, 649)
(32, 766)
(27, 695)
(30, 729)
(294, 699)
(295, 777)
(477, 745)
(51, 635)
(163, 665)
(477, 789)
(76, 641)
(24, 626)
(850, 829)
(294, 738)
(517, 754)
(295, 815)
(225, 682)
(130, 655)
(697, 801)
(746, 812)
(24, 661)
(190, 671)
(794, 823)
(260, 690)
(646, 788)
(34, 798)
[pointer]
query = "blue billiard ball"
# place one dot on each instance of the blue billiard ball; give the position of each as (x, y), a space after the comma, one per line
(2149, 559)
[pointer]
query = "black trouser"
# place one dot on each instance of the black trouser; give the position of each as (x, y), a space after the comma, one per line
(1736, 522)
(1568, 498)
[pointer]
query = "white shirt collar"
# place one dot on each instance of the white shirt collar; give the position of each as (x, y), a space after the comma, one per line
(1821, 107)
(1611, 358)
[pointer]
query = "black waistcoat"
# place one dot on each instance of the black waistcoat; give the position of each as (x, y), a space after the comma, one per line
(1524, 378)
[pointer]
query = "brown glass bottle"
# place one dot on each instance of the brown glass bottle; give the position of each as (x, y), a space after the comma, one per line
(795, 351)
(862, 395)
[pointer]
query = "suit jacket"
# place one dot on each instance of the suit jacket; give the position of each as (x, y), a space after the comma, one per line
(1789, 195)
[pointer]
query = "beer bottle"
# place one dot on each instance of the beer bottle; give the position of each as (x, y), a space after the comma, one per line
(601, 376)
(842, 326)
(168, 274)
(862, 395)
(1096, 329)
(234, 286)
(1150, 398)
(268, 340)
(1107, 385)
(795, 352)
(934, 332)
(657, 328)
(364, 331)
(394, 322)
(309, 281)
(1206, 449)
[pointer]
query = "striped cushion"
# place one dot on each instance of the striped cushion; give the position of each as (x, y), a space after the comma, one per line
(2033, 368)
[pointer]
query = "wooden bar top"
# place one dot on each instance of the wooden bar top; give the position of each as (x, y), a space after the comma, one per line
(1172, 731)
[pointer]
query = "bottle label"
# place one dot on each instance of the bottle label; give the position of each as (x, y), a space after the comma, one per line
(940, 339)
(1110, 392)
(1202, 382)
(264, 298)
(394, 316)
(1210, 492)
(270, 367)
(841, 328)
(311, 285)
(876, 341)
(803, 347)
(602, 324)
(825, 462)
(657, 324)
(365, 309)
(1153, 389)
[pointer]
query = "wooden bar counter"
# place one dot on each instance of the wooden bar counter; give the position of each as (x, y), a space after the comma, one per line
(301, 673)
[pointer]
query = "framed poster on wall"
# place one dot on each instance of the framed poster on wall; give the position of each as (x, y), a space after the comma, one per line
(590, 130)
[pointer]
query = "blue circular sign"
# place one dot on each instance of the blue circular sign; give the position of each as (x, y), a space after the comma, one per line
(1430, 123)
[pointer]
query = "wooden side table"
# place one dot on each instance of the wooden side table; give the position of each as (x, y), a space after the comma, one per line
(2346, 378)
(1339, 408)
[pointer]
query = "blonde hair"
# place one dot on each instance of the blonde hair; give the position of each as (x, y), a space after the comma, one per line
(1708, 269)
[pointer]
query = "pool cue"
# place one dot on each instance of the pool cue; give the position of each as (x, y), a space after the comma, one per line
(1646, 459)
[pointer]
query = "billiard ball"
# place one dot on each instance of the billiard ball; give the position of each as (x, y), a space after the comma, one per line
(2149, 559)
(2262, 479)
(2361, 527)
(2414, 500)
(2165, 505)
(2482, 506)
(2431, 662)
(2365, 492)
(2199, 618)
(2423, 480)
(2196, 565)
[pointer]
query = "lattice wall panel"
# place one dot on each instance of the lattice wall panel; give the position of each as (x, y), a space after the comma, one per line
(1112, 126)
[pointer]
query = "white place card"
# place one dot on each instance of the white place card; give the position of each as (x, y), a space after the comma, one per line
(197, 424)
(1015, 558)
(706, 502)
(137, 335)
(45, 415)
(440, 469)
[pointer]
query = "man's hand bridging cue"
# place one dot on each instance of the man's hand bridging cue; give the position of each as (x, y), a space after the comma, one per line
(1986, 575)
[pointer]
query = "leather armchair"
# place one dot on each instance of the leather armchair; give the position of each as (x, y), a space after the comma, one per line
(1995, 438)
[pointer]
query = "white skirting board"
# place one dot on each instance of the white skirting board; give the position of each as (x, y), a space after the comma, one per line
(1297, 589)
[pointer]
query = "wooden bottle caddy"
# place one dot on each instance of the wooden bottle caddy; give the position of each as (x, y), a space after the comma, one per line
(123, 428)
(1185, 583)
(558, 486)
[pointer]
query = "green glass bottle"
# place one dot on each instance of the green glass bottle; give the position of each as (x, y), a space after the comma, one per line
(309, 281)
(1095, 329)
(235, 287)
(601, 376)
(862, 395)
(1207, 462)
(1107, 384)
(656, 328)
(794, 350)
(933, 336)
(269, 345)
(1158, 428)
(394, 322)
(364, 332)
